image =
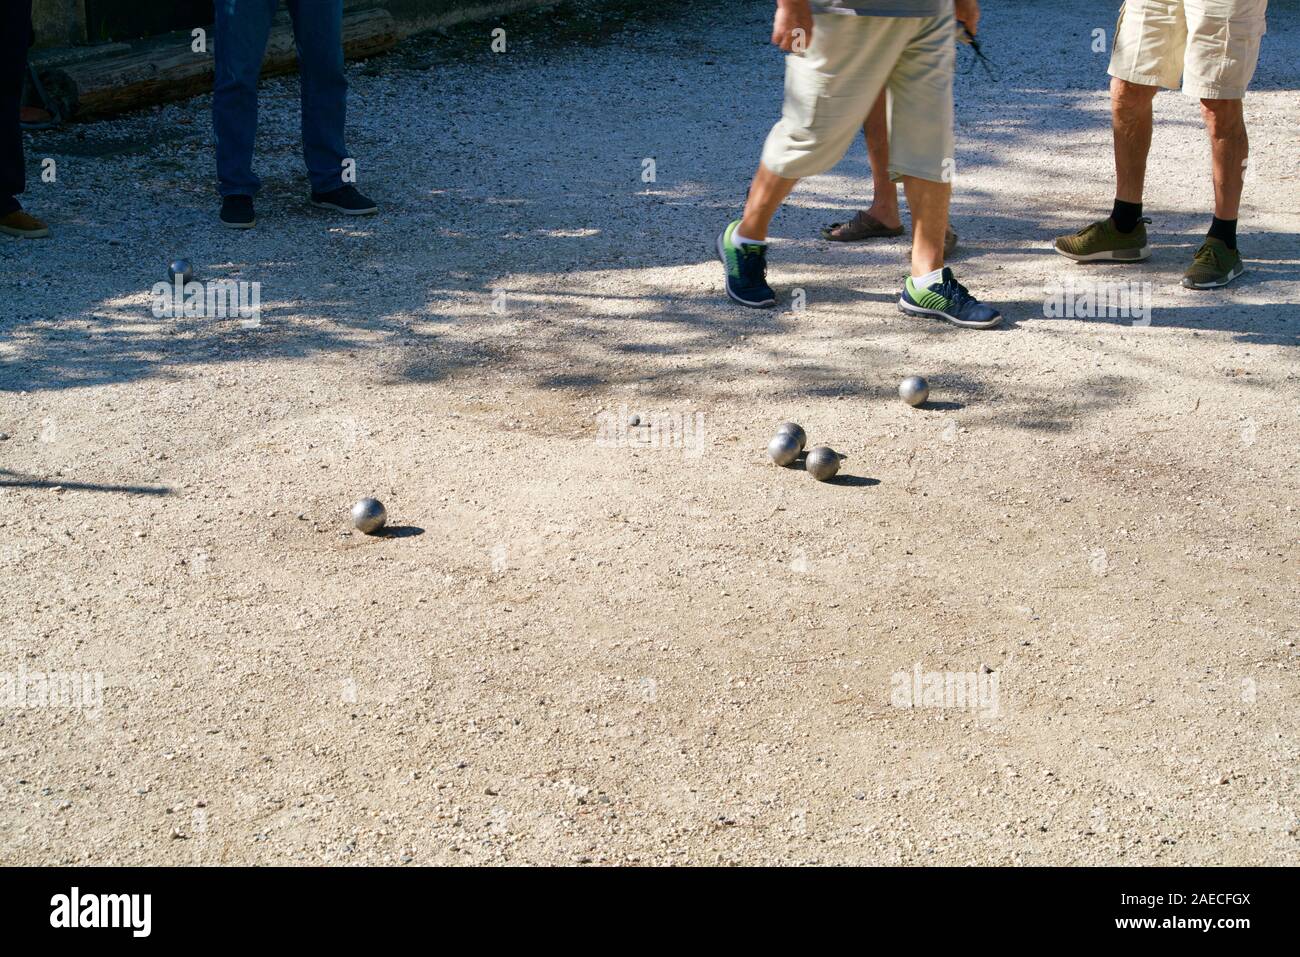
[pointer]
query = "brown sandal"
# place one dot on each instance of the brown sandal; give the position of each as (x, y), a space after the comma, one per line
(862, 226)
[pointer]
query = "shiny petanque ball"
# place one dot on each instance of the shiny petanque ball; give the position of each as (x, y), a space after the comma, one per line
(369, 515)
(784, 448)
(914, 390)
(181, 268)
(794, 429)
(822, 463)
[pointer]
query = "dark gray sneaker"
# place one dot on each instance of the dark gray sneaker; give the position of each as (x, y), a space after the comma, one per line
(345, 199)
(948, 299)
(746, 270)
(237, 212)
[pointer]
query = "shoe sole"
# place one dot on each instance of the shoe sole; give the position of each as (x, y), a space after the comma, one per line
(229, 225)
(907, 308)
(860, 239)
(1188, 284)
(344, 210)
(25, 233)
(1109, 255)
(726, 276)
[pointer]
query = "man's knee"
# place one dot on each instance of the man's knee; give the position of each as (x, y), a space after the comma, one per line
(1129, 97)
(1223, 118)
(235, 84)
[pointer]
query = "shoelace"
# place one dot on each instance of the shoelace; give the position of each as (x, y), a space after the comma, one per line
(753, 265)
(956, 294)
(1207, 254)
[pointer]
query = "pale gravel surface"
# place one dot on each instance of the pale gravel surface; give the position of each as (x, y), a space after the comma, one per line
(614, 655)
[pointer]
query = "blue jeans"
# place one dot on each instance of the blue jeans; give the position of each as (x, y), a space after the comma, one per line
(15, 37)
(242, 29)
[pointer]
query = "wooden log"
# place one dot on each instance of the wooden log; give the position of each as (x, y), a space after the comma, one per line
(167, 68)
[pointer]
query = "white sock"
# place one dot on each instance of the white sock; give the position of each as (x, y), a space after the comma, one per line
(739, 240)
(928, 280)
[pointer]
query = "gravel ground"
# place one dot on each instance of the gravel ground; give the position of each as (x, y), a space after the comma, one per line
(578, 652)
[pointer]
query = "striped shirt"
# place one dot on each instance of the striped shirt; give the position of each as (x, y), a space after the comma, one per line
(883, 8)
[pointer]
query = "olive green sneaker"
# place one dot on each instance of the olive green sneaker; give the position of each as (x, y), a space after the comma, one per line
(1214, 265)
(1102, 241)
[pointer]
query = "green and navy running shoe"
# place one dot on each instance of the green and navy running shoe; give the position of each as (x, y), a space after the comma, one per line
(1102, 240)
(746, 268)
(948, 299)
(1214, 265)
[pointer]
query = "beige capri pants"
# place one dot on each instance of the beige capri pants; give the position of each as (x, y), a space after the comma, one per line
(830, 89)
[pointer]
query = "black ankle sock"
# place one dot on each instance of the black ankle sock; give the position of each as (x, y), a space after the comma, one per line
(1126, 215)
(1225, 229)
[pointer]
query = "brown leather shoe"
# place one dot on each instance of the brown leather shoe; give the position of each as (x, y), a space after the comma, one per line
(24, 226)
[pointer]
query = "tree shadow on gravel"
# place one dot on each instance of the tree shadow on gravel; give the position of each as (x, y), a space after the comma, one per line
(10, 479)
(620, 294)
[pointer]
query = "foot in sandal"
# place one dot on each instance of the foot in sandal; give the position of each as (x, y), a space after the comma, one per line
(860, 227)
(866, 226)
